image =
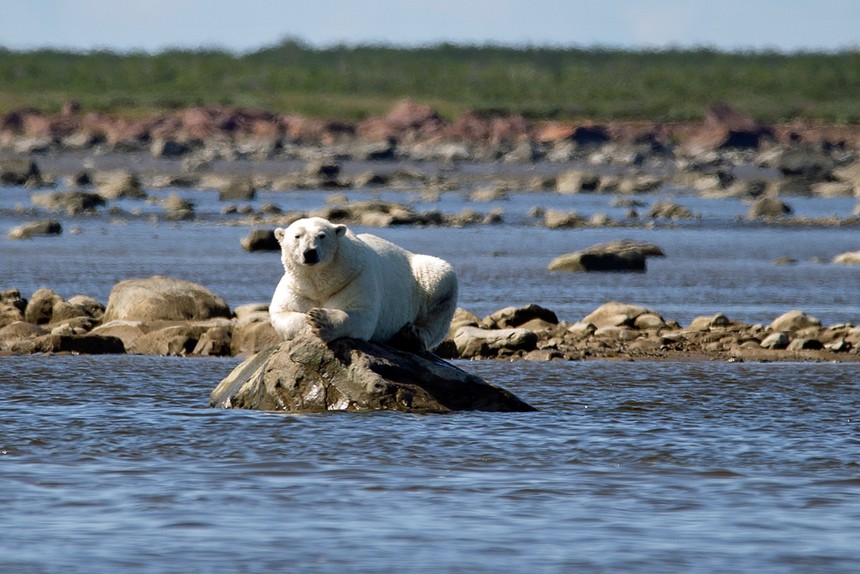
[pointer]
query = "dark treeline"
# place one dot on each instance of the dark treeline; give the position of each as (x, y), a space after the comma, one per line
(350, 82)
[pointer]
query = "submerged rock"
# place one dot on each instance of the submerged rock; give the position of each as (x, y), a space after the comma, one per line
(307, 375)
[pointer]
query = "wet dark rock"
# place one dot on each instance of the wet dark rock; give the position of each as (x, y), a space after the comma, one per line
(260, 240)
(306, 375)
(84, 344)
(35, 228)
(615, 256)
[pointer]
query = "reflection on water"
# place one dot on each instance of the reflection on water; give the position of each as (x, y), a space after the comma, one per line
(115, 463)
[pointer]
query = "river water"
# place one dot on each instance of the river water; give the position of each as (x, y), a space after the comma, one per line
(115, 463)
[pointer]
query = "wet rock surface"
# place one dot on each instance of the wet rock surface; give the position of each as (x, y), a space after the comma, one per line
(306, 375)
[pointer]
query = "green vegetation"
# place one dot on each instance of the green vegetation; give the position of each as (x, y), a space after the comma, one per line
(346, 82)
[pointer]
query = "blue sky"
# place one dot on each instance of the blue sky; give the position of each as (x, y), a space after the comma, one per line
(245, 25)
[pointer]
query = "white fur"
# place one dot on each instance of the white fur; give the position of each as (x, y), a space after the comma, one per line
(362, 287)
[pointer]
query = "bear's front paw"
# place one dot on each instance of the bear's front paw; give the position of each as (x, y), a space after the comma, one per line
(321, 324)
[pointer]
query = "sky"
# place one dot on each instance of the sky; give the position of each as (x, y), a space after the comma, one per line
(246, 25)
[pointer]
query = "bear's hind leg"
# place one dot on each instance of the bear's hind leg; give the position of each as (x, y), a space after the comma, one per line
(434, 322)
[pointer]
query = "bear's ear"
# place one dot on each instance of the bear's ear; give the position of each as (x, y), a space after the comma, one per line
(340, 229)
(279, 234)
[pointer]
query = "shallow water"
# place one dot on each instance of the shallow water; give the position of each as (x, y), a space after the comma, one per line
(116, 464)
(716, 264)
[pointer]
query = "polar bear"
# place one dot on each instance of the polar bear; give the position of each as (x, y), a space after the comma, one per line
(338, 284)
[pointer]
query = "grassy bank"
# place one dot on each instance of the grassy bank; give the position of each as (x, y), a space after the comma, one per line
(353, 82)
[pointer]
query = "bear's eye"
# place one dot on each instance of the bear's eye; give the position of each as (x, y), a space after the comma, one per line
(297, 236)
(321, 235)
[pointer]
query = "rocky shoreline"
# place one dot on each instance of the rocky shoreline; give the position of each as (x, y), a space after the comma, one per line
(92, 160)
(170, 317)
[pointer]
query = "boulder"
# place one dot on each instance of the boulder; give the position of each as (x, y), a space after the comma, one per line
(253, 335)
(237, 190)
(12, 307)
(615, 314)
(306, 375)
(72, 202)
(622, 255)
(40, 309)
(847, 258)
(127, 331)
(510, 317)
(163, 299)
(575, 181)
(558, 219)
(120, 185)
(177, 209)
(768, 206)
(260, 240)
(20, 172)
(81, 344)
(215, 342)
(806, 161)
(670, 210)
(794, 320)
(776, 340)
(472, 342)
(17, 331)
(35, 228)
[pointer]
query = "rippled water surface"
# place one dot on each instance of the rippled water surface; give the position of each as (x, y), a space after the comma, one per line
(116, 464)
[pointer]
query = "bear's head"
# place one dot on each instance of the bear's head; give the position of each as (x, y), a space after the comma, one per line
(310, 241)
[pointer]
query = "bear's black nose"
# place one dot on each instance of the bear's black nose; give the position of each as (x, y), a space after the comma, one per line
(311, 256)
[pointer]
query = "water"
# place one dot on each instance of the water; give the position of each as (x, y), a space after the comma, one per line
(716, 264)
(116, 464)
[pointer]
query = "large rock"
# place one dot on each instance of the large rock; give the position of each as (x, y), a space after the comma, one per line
(260, 240)
(615, 256)
(769, 207)
(35, 228)
(73, 202)
(163, 299)
(120, 184)
(847, 258)
(306, 375)
(615, 314)
(793, 321)
(474, 342)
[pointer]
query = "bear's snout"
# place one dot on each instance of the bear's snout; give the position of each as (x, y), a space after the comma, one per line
(310, 256)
